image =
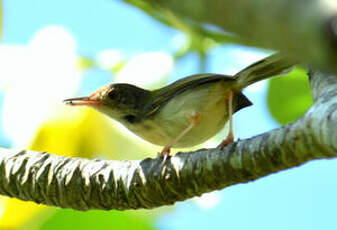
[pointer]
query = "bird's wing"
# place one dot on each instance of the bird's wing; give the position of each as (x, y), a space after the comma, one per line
(161, 96)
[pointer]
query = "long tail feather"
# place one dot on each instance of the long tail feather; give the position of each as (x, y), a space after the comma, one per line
(274, 65)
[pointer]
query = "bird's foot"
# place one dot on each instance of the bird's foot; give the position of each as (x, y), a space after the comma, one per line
(165, 154)
(229, 139)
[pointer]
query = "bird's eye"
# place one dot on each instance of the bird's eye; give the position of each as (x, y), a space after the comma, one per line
(112, 94)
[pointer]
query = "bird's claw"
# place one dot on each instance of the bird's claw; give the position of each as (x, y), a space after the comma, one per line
(229, 139)
(164, 154)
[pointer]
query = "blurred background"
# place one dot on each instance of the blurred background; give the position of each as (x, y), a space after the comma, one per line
(53, 50)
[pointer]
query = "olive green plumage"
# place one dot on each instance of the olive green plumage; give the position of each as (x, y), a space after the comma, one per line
(160, 115)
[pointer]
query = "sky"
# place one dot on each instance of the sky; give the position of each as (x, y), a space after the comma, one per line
(299, 198)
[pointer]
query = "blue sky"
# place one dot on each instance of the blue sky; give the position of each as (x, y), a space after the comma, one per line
(300, 198)
(96, 25)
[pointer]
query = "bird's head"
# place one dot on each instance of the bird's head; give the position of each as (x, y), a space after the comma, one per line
(114, 100)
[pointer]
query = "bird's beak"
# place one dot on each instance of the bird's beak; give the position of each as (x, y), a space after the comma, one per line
(92, 100)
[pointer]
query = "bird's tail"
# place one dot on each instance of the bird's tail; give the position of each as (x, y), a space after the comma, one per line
(276, 64)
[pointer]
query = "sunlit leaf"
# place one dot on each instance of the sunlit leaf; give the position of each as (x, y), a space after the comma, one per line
(289, 96)
(16, 213)
(84, 63)
(98, 220)
(76, 132)
(83, 132)
(45, 72)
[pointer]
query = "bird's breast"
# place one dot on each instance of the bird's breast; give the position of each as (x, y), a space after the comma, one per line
(208, 101)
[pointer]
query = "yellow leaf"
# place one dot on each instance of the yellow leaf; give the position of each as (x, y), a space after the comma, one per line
(15, 213)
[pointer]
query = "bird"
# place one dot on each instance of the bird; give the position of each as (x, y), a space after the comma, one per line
(187, 112)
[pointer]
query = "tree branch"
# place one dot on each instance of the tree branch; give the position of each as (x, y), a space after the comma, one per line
(102, 184)
(306, 29)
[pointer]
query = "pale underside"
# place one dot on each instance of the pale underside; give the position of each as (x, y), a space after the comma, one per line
(207, 100)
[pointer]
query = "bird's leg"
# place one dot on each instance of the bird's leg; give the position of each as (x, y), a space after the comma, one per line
(230, 136)
(194, 118)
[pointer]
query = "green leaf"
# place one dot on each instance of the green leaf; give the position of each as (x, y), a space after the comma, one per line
(85, 63)
(289, 96)
(67, 219)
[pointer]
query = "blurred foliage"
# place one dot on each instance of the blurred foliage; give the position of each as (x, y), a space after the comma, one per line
(289, 96)
(99, 220)
(19, 213)
(83, 132)
(200, 38)
(73, 132)
(84, 63)
(169, 19)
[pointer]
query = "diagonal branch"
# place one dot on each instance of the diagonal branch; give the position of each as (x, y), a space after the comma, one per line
(102, 184)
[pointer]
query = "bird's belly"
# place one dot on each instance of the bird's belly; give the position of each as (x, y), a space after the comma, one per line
(210, 105)
(209, 123)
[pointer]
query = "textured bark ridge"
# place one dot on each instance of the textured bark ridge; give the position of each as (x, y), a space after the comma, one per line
(102, 184)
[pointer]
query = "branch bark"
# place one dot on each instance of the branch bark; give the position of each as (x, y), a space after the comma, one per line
(102, 184)
(306, 29)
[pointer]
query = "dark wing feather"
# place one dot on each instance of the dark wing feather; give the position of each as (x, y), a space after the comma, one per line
(162, 96)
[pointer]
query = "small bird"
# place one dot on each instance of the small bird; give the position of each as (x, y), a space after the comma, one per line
(186, 112)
